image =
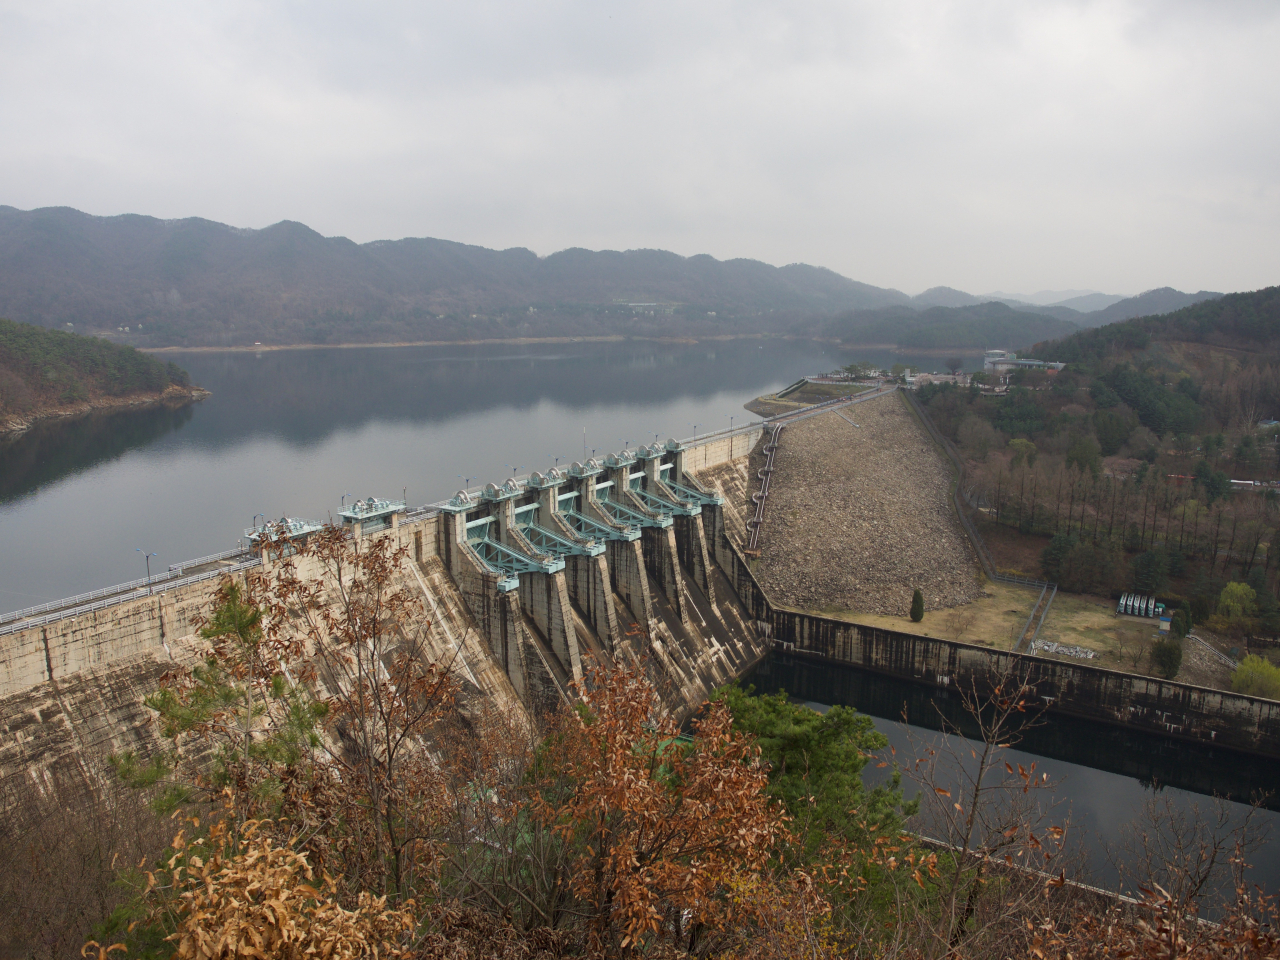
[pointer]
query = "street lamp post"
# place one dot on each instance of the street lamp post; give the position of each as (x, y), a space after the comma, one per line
(147, 556)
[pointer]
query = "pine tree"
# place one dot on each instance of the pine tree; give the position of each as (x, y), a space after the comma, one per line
(1166, 656)
(917, 606)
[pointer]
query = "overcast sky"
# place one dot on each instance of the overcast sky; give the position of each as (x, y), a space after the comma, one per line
(983, 145)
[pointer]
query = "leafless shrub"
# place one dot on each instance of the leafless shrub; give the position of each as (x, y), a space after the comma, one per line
(1186, 851)
(62, 851)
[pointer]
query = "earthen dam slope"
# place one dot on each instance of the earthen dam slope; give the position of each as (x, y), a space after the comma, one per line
(859, 515)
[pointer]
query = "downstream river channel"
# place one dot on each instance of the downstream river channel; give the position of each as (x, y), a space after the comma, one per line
(1101, 776)
(291, 431)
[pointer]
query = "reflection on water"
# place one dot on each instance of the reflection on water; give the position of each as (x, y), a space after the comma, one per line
(305, 395)
(291, 431)
(54, 449)
(1107, 774)
(1156, 762)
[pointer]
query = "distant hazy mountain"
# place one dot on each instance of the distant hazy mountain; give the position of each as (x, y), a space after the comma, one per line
(1150, 304)
(194, 281)
(974, 327)
(1074, 317)
(1089, 302)
(945, 297)
(1087, 309)
(1041, 298)
(1063, 304)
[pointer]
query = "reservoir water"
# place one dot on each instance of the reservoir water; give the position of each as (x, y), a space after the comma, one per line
(1104, 774)
(291, 431)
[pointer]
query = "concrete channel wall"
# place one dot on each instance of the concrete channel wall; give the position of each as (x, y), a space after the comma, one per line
(715, 449)
(1247, 724)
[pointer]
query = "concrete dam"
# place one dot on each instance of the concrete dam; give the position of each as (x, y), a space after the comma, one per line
(523, 585)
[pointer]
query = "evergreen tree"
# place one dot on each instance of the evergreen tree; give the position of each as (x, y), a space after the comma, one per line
(917, 606)
(815, 764)
(1166, 656)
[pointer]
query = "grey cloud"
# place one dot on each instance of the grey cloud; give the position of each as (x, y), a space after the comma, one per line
(984, 145)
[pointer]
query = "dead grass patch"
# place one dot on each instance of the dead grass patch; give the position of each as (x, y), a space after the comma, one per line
(992, 620)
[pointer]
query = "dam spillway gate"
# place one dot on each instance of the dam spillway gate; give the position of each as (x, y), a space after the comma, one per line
(606, 559)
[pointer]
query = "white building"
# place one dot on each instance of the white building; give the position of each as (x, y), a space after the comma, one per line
(1004, 362)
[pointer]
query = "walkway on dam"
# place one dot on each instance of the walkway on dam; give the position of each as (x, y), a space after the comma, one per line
(178, 575)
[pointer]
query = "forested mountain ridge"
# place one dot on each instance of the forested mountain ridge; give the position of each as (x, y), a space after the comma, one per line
(51, 370)
(1092, 310)
(194, 281)
(975, 327)
(1239, 321)
(1155, 302)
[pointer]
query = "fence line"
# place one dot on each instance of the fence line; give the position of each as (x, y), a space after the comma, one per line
(167, 584)
(1214, 650)
(160, 579)
(236, 551)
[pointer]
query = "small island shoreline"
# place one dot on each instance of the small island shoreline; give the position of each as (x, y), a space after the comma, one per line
(14, 425)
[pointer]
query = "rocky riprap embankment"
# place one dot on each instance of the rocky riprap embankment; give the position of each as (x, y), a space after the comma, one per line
(858, 517)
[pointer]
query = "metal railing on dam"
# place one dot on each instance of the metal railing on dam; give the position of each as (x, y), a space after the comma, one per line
(167, 580)
(121, 593)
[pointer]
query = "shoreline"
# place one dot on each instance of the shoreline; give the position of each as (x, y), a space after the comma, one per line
(616, 338)
(16, 425)
(612, 338)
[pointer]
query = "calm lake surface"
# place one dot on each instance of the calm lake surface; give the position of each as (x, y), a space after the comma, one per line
(1105, 774)
(291, 431)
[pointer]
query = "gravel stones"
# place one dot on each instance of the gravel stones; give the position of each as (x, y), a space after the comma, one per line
(859, 516)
